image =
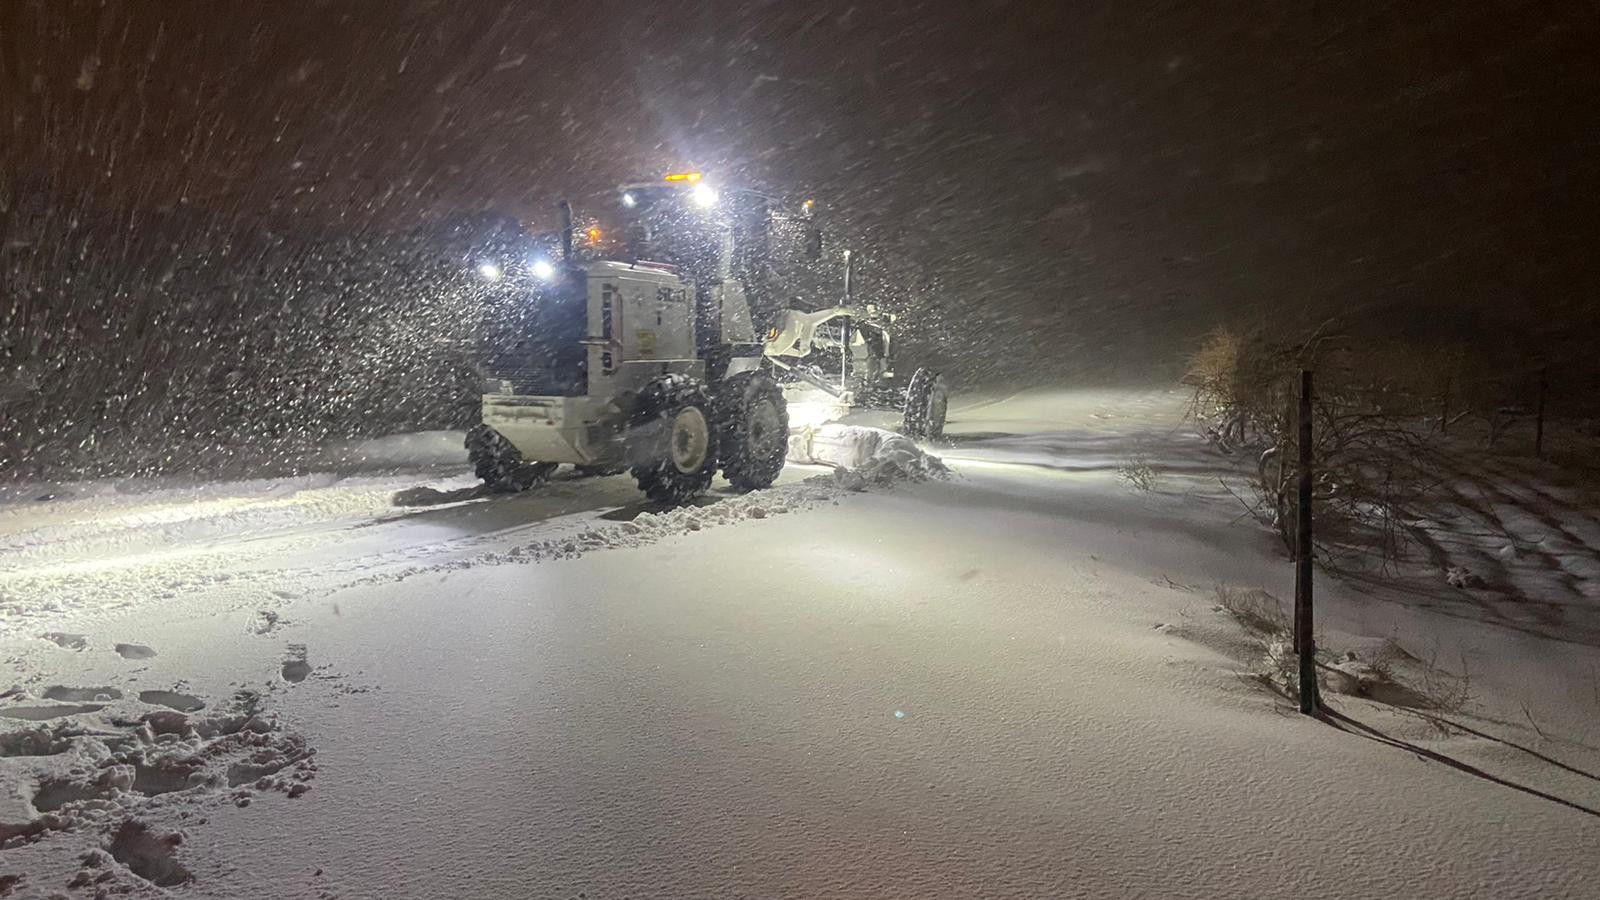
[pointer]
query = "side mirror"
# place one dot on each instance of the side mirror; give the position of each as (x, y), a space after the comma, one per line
(813, 243)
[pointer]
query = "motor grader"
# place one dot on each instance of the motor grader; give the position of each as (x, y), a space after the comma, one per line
(668, 350)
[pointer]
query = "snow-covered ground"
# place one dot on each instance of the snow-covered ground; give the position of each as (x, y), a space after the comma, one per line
(1013, 682)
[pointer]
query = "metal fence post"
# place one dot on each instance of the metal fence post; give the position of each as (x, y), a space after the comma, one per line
(1444, 408)
(1538, 422)
(1304, 640)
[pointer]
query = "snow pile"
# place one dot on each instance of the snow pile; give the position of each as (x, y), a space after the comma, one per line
(66, 562)
(582, 534)
(860, 457)
(864, 455)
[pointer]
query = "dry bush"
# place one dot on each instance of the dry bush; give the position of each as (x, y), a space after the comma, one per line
(1275, 665)
(1279, 667)
(1236, 378)
(1443, 690)
(1137, 471)
(1138, 474)
(1391, 675)
(1389, 658)
(1258, 611)
(1213, 370)
(1228, 379)
(1372, 448)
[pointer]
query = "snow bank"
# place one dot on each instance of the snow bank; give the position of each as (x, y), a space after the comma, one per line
(860, 457)
(571, 537)
(125, 544)
(870, 455)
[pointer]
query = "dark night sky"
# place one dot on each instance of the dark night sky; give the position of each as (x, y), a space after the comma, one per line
(1089, 184)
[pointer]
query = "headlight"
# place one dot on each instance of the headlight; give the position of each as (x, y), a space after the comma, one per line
(490, 272)
(543, 270)
(703, 194)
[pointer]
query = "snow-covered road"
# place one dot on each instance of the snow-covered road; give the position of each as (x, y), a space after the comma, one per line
(1010, 684)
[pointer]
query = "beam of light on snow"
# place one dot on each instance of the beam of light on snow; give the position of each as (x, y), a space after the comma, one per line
(811, 413)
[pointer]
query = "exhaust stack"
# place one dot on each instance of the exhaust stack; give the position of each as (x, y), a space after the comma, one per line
(566, 231)
(844, 323)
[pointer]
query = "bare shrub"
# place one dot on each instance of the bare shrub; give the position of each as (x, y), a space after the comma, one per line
(1220, 389)
(1258, 611)
(1444, 691)
(1277, 668)
(1389, 657)
(1372, 450)
(1137, 472)
(1275, 664)
(1213, 370)
(1390, 675)
(1395, 677)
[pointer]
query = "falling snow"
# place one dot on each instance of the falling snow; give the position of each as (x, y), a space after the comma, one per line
(263, 632)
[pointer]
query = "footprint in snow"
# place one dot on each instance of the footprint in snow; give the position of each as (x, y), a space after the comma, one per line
(295, 668)
(135, 651)
(66, 641)
(81, 695)
(172, 699)
(148, 855)
(265, 621)
(41, 713)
